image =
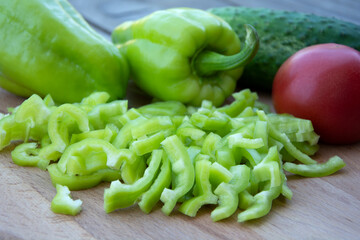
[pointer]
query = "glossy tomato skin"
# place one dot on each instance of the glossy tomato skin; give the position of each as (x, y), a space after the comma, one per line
(322, 83)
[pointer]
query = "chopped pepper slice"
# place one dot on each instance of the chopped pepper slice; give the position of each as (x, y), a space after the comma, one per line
(121, 195)
(183, 170)
(329, 167)
(228, 193)
(163, 180)
(203, 190)
(63, 203)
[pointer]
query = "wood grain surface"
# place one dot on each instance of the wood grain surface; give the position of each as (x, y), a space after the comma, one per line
(321, 208)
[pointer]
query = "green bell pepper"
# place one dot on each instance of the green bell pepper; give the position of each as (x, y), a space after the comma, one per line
(184, 54)
(54, 51)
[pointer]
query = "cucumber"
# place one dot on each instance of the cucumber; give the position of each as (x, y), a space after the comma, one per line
(282, 33)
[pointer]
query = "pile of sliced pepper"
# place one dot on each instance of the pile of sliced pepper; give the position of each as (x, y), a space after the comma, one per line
(233, 157)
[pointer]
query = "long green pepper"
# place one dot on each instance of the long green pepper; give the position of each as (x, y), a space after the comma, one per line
(48, 48)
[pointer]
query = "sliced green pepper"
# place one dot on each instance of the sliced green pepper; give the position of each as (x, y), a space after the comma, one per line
(59, 131)
(163, 180)
(101, 114)
(146, 144)
(183, 170)
(243, 100)
(106, 134)
(261, 205)
(167, 108)
(204, 193)
(228, 193)
(219, 174)
(333, 165)
(27, 121)
(121, 195)
(152, 125)
(124, 136)
(26, 154)
(91, 155)
(77, 182)
(63, 203)
(193, 48)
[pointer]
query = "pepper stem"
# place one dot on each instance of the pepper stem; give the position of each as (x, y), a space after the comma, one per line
(207, 62)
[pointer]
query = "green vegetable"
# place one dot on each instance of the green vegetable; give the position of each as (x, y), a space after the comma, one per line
(121, 195)
(54, 51)
(63, 203)
(316, 170)
(234, 156)
(153, 194)
(27, 154)
(77, 182)
(203, 192)
(186, 55)
(229, 192)
(281, 34)
(27, 121)
(183, 170)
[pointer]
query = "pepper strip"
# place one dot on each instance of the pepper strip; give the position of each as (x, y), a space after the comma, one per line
(183, 170)
(267, 170)
(101, 114)
(59, 130)
(91, 155)
(282, 137)
(187, 131)
(228, 193)
(167, 108)
(124, 136)
(225, 157)
(203, 190)
(26, 154)
(243, 99)
(238, 140)
(63, 203)
(106, 134)
(121, 195)
(261, 206)
(210, 144)
(219, 174)
(151, 126)
(27, 121)
(163, 180)
(333, 165)
(146, 144)
(75, 183)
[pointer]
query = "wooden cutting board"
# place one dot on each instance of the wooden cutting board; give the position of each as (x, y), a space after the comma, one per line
(321, 208)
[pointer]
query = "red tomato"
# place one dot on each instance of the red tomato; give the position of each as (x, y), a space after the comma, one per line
(322, 83)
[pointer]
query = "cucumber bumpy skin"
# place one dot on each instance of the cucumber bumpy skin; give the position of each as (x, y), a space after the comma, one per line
(282, 33)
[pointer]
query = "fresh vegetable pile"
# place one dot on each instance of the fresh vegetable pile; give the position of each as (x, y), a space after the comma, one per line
(234, 156)
(187, 149)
